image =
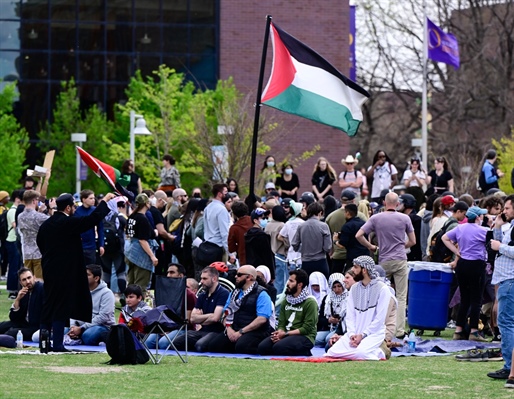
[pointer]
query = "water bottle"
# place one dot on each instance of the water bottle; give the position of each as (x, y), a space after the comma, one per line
(19, 340)
(412, 343)
(44, 341)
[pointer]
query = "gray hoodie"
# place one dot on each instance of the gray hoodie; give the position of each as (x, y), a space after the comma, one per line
(425, 231)
(103, 307)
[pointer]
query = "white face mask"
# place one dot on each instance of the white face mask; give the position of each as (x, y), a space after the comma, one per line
(270, 164)
(288, 171)
(153, 201)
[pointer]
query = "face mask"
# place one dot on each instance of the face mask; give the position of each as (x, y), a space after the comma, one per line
(288, 171)
(153, 201)
(270, 164)
(263, 223)
(197, 195)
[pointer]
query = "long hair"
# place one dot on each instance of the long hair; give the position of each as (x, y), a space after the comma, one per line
(330, 170)
(375, 157)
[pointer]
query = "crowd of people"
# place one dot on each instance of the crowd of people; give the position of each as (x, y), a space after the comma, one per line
(309, 269)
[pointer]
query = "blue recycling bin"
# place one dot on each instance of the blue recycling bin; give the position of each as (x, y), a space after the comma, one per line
(429, 295)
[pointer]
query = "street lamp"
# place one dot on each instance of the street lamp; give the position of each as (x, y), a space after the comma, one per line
(78, 138)
(137, 126)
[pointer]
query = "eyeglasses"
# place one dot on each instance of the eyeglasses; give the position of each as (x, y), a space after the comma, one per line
(351, 163)
(241, 274)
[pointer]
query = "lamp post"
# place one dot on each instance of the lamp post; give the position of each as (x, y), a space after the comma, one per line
(137, 126)
(78, 138)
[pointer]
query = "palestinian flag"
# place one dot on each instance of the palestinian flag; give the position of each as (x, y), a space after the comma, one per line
(106, 172)
(303, 83)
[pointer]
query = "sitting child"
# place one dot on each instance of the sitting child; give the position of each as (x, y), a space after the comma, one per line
(134, 302)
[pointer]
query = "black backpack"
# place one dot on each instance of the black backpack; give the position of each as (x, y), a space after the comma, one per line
(112, 239)
(124, 348)
(4, 227)
(438, 251)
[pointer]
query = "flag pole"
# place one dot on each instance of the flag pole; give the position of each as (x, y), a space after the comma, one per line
(255, 139)
(424, 131)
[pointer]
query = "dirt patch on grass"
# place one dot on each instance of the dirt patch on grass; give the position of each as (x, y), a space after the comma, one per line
(85, 370)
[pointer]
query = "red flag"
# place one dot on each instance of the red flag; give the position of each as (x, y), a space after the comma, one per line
(101, 169)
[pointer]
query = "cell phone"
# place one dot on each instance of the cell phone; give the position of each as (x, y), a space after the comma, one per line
(504, 218)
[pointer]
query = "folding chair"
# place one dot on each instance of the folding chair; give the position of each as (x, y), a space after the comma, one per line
(170, 292)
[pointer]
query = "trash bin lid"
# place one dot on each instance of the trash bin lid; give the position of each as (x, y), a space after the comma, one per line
(430, 266)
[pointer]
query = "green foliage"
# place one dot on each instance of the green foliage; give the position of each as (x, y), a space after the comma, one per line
(67, 119)
(14, 142)
(505, 149)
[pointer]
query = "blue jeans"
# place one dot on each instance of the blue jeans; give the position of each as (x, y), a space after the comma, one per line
(94, 335)
(281, 273)
(322, 338)
(163, 342)
(14, 259)
(506, 319)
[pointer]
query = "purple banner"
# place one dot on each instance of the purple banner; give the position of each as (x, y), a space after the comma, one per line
(83, 170)
(352, 44)
(442, 47)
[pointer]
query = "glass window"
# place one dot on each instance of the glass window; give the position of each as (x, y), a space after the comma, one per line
(9, 65)
(34, 9)
(175, 39)
(34, 66)
(63, 66)
(63, 36)
(147, 11)
(91, 94)
(91, 67)
(202, 71)
(174, 11)
(91, 37)
(9, 35)
(202, 11)
(202, 40)
(119, 67)
(34, 36)
(118, 11)
(63, 10)
(91, 10)
(119, 37)
(148, 39)
(147, 64)
(10, 9)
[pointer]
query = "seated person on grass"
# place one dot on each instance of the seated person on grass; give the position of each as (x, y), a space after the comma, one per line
(332, 311)
(206, 313)
(103, 310)
(25, 313)
(297, 321)
(175, 270)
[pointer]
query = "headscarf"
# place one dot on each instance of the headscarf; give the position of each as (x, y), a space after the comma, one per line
(296, 208)
(265, 272)
(318, 278)
(335, 304)
(367, 263)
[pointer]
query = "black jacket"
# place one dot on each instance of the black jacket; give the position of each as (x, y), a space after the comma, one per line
(33, 303)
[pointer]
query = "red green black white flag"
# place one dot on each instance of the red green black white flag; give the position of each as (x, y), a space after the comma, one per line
(303, 83)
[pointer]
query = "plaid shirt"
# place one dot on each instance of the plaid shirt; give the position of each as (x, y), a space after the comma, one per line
(504, 263)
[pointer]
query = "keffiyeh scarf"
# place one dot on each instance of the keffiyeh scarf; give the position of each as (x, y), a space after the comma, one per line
(235, 303)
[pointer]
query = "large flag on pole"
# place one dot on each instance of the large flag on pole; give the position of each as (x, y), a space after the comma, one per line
(442, 47)
(303, 83)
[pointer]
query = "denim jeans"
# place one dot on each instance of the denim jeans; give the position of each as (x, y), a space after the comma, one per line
(163, 342)
(506, 319)
(14, 259)
(281, 273)
(94, 335)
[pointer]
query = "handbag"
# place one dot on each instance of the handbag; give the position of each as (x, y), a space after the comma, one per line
(208, 253)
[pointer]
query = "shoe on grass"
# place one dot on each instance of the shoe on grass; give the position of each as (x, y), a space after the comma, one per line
(473, 355)
(509, 383)
(497, 338)
(477, 337)
(494, 355)
(502, 374)
(457, 336)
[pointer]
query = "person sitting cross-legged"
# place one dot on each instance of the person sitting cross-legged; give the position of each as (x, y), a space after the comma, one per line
(206, 313)
(297, 321)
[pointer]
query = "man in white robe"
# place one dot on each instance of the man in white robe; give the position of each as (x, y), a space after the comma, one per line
(366, 312)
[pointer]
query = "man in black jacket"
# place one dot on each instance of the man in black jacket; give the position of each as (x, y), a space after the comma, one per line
(25, 313)
(347, 238)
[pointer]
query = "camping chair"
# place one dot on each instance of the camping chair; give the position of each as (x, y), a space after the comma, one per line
(170, 292)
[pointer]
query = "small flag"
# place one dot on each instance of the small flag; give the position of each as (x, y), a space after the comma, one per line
(303, 83)
(442, 47)
(107, 173)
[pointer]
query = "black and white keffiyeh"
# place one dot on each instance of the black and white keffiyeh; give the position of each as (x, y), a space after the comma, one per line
(367, 263)
(300, 298)
(335, 304)
(235, 303)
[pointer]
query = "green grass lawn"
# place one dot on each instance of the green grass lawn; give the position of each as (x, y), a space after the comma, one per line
(86, 376)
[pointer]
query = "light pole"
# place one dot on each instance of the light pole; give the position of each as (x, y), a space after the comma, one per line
(78, 138)
(137, 126)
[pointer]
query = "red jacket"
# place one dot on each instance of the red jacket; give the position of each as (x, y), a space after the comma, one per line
(236, 237)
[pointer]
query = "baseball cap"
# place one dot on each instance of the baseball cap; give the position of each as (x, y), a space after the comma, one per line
(307, 197)
(270, 185)
(347, 195)
(257, 213)
(474, 212)
(142, 199)
(447, 200)
(459, 206)
(408, 200)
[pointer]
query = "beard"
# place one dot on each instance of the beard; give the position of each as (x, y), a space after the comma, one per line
(240, 284)
(359, 277)
(291, 291)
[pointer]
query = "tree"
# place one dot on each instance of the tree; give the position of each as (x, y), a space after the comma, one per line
(67, 119)
(505, 149)
(14, 141)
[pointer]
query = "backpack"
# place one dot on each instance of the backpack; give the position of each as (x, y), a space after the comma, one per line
(112, 240)
(438, 251)
(4, 226)
(124, 348)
